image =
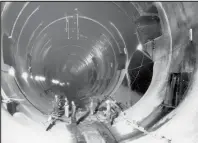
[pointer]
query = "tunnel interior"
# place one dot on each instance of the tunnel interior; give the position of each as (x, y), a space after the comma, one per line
(76, 53)
(79, 51)
(68, 49)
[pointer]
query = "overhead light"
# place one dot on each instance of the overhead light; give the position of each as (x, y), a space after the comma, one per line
(11, 71)
(139, 47)
(190, 35)
(36, 78)
(68, 83)
(24, 75)
(42, 78)
(55, 81)
(62, 84)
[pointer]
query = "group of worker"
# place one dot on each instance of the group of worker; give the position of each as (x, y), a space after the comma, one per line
(62, 112)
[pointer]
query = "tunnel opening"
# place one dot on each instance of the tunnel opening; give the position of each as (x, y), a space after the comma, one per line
(62, 55)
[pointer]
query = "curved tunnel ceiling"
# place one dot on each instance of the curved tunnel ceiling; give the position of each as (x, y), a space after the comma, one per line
(83, 51)
(60, 41)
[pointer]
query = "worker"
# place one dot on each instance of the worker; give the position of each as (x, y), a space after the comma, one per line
(111, 112)
(73, 116)
(66, 107)
(94, 105)
(108, 108)
(57, 113)
(92, 109)
(57, 98)
(59, 106)
(114, 115)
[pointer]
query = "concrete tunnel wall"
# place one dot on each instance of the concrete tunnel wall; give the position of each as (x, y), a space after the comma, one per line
(115, 76)
(143, 108)
(181, 42)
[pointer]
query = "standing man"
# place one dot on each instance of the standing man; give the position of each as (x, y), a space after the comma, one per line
(57, 99)
(111, 111)
(108, 108)
(66, 107)
(94, 105)
(73, 116)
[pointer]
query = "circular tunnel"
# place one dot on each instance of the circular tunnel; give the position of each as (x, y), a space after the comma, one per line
(96, 49)
(78, 49)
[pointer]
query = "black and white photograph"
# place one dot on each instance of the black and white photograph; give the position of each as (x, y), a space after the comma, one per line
(99, 71)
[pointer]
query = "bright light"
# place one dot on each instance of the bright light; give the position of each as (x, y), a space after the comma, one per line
(36, 78)
(68, 83)
(11, 71)
(55, 81)
(190, 35)
(62, 84)
(41, 78)
(25, 75)
(139, 47)
(89, 58)
(97, 51)
(31, 77)
(125, 50)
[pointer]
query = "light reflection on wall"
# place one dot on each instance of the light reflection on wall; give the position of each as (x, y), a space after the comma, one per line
(24, 76)
(40, 78)
(11, 71)
(97, 50)
(139, 47)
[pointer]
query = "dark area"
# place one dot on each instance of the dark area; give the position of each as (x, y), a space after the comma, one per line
(7, 50)
(11, 107)
(141, 72)
(179, 83)
(143, 80)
